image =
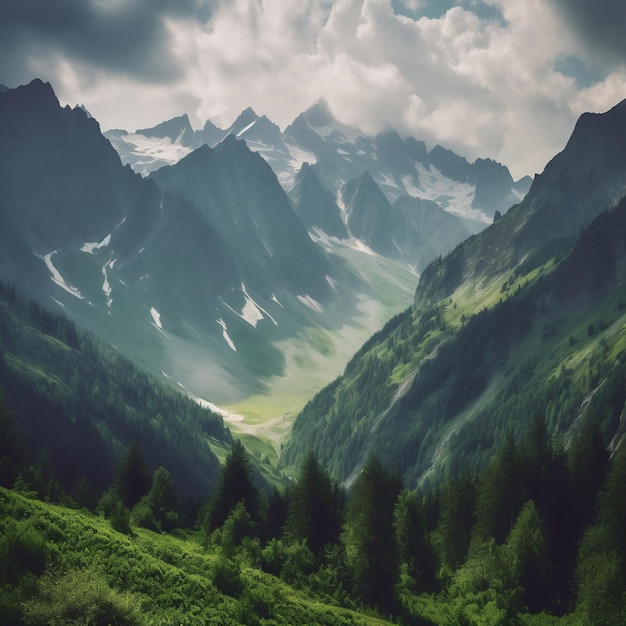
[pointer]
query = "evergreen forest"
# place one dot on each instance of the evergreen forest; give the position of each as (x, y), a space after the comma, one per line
(538, 537)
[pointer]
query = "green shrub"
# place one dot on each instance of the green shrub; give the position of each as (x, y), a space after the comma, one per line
(22, 550)
(80, 597)
(226, 576)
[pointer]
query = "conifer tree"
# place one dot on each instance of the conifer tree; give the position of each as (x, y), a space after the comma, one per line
(414, 550)
(277, 512)
(498, 498)
(133, 479)
(371, 547)
(234, 485)
(11, 451)
(527, 548)
(316, 507)
(587, 462)
(456, 520)
(161, 502)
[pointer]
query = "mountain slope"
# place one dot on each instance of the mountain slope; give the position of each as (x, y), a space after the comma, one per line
(586, 178)
(210, 281)
(517, 322)
(79, 400)
(315, 205)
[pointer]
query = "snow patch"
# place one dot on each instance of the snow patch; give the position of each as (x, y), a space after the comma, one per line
(311, 303)
(226, 415)
(248, 127)
(148, 153)
(90, 248)
(450, 195)
(156, 316)
(106, 286)
(299, 156)
(253, 310)
(58, 302)
(332, 282)
(57, 278)
(357, 244)
(226, 336)
(387, 180)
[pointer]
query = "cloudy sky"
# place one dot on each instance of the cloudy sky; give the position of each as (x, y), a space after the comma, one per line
(488, 78)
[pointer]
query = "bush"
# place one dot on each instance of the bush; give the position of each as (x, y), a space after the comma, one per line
(81, 597)
(143, 515)
(22, 551)
(226, 577)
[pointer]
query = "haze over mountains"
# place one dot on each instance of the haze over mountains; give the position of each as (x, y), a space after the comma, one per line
(339, 154)
(207, 272)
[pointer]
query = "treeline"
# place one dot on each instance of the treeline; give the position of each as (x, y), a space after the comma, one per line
(81, 402)
(540, 532)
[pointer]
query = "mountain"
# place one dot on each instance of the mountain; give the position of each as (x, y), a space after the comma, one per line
(63, 183)
(315, 205)
(370, 217)
(522, 321)
(411, 230)
(201, 273)
(177, 130)
(253, 224)
(340, 153)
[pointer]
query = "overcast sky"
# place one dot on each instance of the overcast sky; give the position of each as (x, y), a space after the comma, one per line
(487, 78)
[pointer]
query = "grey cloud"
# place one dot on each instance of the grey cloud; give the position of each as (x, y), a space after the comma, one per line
(600, 27)
(122, 37)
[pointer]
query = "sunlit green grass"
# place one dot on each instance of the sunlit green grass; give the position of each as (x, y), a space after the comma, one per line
(169, 579)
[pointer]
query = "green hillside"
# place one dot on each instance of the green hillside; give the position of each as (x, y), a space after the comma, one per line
(544, 338)
(96, 575)
(78, 400)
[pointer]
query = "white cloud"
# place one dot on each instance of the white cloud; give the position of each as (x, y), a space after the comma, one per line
(481, 87)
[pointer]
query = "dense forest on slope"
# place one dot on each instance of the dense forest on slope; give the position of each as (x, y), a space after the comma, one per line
(544, 339)
(78, 400)
(536, 538)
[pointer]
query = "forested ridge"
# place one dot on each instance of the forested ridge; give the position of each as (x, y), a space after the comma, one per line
(80, 401)
(544, 339)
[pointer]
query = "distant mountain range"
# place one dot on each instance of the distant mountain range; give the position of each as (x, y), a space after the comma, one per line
(206, 271)
(339, 154)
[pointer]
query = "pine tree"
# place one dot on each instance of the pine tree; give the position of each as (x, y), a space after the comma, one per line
(601, 565)
(11, 446)
(498, 498)
(316, 507)
(163, 500)
(587, 463)
(277, 512)
(414, 550)
(234, 485)
(456, 520)
(371, 547)
(133, 479)
(527, 548)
